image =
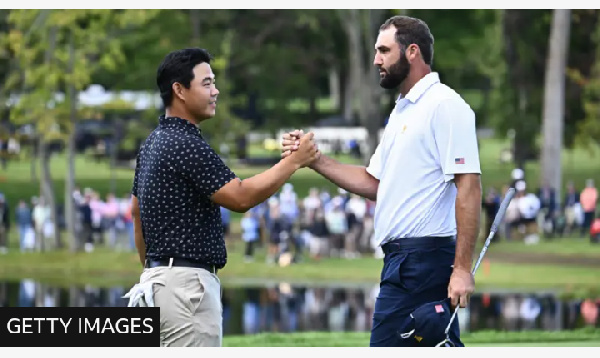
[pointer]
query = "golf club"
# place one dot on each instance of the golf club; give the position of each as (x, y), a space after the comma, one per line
(497, 220)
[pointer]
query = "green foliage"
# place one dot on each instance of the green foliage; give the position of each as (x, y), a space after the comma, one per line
(277, 62)
(55, 49)
(589, 129)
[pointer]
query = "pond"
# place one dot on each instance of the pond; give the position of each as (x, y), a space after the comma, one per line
(292, 308)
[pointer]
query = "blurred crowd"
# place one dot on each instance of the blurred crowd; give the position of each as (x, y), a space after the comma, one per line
(535, 213)
(320, 225)
(324, 224)
(98, 221)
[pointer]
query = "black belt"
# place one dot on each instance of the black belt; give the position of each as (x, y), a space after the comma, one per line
(417, 243)
(179, 262)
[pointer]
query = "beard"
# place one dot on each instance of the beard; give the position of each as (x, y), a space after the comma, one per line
(396, 74)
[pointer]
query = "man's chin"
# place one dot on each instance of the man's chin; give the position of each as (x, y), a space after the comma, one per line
(387, 84)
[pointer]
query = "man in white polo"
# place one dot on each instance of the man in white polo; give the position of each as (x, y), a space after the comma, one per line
(425, 178)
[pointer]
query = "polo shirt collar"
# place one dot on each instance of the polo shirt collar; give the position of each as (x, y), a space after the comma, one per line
(421, 87)
(176, 122)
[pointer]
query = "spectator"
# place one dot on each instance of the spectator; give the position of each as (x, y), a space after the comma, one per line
(491, 204)
(226, 222)
(97, 207)
(288, 204)
(337, 226)
(588, 200)
(276, 232)
(128, 222)
(512, 216)
(110, 214)
(24, 221)
(87, 224)
(250, 231)
(529, 206)
(4, 224)
(356, 208)
(571, 208)
(41, 217)
(547, 196)
(312, 201)
(318, 235)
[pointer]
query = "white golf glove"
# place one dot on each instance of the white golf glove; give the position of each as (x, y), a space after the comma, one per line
(142, 294)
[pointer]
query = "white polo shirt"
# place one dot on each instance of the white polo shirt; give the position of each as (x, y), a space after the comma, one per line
(430, 136)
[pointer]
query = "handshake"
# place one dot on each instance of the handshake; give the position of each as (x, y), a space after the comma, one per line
(300, 148)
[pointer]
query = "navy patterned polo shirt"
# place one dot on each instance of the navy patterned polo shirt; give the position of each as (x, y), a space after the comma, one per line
(176, 173)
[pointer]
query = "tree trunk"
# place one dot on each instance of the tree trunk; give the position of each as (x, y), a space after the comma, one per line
(46, 176)
(34, 160)
(520, 98)
(353, 28)
(195, 23)
(554, 99)
(334, 87)
(361, 27)
(114, 149)
(41, 155)
(70, 216)
(371, 92)
(347, 99)
(49, 197)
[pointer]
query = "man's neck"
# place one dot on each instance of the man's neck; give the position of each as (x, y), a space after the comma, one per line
(174, 112)
(414, 76)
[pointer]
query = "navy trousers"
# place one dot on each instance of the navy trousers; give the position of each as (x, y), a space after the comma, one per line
(415, 271)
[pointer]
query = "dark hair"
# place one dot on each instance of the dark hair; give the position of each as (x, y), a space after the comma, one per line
(178, 66)
(410, 30)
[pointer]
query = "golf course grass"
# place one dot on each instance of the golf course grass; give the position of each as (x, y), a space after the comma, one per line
(585, 337)
(16, 181)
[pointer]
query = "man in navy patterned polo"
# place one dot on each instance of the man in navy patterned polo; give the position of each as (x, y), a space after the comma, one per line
(179, 185)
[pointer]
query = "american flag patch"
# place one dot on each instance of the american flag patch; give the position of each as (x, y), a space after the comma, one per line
(459, 160)
(439, 308)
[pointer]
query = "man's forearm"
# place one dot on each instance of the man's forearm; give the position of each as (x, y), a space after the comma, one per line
(256, 189)
(352, 178)
(468, 211)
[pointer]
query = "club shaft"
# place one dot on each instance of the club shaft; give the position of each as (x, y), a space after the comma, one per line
(497, 221)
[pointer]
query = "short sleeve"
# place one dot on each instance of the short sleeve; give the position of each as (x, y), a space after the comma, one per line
(200, 164)
(134, 189)
(376, 163)
(456, 138)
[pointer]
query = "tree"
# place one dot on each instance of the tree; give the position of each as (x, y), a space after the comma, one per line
(588, 130)
(57, 52)
(361, 27)
(554, 99)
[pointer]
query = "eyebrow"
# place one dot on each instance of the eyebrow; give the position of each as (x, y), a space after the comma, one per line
(208, 78)
(381, 48)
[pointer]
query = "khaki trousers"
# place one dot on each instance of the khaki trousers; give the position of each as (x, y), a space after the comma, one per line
(190, 306)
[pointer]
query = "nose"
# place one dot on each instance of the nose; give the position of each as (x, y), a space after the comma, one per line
(215, 91)
(378, 60)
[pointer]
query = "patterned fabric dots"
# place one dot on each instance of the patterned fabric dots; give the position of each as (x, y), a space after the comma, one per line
(176, 173)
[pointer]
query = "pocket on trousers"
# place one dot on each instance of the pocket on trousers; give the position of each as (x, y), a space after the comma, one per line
(391, 269)
(424, 270)
(195, 291)
(418, 272)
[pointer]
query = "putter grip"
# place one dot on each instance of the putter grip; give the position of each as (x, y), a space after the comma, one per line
(503, 206)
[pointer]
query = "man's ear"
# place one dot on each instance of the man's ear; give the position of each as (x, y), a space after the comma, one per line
(412, 53)
(178, 90)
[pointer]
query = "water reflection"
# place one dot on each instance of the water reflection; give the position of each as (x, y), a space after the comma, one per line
(290, 308)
